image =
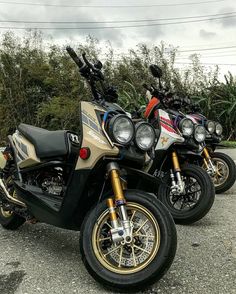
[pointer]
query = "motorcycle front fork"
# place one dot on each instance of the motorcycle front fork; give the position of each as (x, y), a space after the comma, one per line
(210, 167)
(177, 183)
(122, 227)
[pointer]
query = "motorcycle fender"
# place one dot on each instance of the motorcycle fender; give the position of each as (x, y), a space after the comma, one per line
(190, 154)
(138, 179)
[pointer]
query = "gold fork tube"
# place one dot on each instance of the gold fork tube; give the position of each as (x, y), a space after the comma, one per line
(206, 153)
(175, 161)
(117, 185)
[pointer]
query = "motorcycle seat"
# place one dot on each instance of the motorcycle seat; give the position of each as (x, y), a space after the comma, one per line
(47, 143)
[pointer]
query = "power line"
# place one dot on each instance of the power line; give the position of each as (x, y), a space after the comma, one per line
(119, 21)
(118, 27)
(208, 63)
(207, 49)
(206, 56)
(110, 6)
(210, 56)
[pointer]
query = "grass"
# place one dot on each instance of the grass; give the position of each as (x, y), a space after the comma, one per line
(229, 144)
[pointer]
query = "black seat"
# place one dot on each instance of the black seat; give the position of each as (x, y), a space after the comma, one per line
(47, 143)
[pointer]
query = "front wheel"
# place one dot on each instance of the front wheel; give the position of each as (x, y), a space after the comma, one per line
(197, 199)
(225, 175)
(130, 266)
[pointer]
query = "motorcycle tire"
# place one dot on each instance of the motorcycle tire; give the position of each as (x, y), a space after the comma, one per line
(220, 159)
(205, 198)
(127, 269)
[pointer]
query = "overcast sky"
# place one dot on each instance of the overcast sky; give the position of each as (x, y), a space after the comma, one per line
(187, 36)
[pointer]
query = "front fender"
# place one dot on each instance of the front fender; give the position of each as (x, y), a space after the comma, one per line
(138, 179)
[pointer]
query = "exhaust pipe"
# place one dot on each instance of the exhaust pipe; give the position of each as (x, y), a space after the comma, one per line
(9, 197)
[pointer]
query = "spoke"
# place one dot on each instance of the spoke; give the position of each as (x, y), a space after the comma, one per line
(104, 239)
(106, 223)
(135, 263)
(140, 248)
(133, 215)
(143, 224)
(120, 258)
(190, 205)
(144, 236)
(182, 205)
(116, 248)
(192, 192)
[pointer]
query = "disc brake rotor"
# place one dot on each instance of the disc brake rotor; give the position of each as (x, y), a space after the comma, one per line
(127, 259)
(190, 198)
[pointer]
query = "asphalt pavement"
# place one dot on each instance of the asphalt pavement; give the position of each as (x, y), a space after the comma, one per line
(43, 259)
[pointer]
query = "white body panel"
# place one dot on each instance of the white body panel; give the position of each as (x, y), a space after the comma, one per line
(168, 135)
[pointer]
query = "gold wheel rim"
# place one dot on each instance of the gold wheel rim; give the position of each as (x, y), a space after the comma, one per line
(222, 172)
(123, 259)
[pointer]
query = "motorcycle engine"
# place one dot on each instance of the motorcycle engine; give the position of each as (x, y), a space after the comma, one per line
(52, 185)
(51, 181)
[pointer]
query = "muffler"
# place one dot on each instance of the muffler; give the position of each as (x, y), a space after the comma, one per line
(8, 197)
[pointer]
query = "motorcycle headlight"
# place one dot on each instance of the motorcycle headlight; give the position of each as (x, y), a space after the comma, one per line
(121, 129)
(210, 126)
(200, 134)
(219, 129)
(144, 136)
(186, 127)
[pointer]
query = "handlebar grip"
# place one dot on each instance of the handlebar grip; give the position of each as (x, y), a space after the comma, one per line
(74, 56)
(89, 64)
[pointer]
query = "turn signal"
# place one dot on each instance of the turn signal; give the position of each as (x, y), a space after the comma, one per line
(84, 153)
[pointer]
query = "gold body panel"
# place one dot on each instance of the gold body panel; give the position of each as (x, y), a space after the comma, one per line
(25, 151)
(93, 137)
(2, 161)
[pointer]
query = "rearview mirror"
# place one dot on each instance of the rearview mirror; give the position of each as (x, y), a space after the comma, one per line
(156, 71)
(98, 64)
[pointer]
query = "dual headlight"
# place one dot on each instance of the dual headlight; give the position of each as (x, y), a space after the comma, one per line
(188, 129)
(213, 127)
(122, 131)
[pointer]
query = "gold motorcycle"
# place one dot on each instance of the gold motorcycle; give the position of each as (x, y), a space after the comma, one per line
(92, 182)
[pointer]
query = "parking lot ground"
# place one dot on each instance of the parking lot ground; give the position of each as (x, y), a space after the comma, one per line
(44, 259)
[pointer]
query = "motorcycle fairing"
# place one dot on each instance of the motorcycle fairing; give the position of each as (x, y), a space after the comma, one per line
(168, 135)
(93, 137)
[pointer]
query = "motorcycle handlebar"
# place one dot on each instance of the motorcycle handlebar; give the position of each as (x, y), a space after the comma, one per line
(74, 56)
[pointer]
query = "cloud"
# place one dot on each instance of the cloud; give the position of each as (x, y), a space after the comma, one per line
(228, 21)
(206, 35)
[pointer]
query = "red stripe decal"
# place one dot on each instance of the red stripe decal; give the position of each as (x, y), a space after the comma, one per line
(166, 120)
(168, 128)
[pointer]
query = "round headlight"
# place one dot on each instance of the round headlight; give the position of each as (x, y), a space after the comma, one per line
(121, 129)
(200, 134)
(210, 126)
(186, 127)
(144, 136)
(219, 129)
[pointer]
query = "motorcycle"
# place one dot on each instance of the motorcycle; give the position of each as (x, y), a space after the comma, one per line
(219, 165)
(85, 182)
(186, 189)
